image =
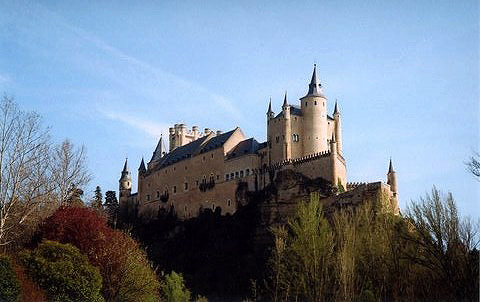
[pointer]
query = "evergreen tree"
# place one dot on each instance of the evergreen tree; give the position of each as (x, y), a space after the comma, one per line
(112, 207)
(97, 199)
(75, 196)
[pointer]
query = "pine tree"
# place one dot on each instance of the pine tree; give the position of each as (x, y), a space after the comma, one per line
(97, 199)
(111, 205)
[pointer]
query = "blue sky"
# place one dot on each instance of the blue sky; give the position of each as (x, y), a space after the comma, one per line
(113, 76)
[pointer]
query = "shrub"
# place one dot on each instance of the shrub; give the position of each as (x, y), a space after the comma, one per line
(126, 272)
(173, 288)
(9, 286)
(30, 291)
(63, 272)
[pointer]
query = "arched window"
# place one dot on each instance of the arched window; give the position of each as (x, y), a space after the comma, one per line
(241, 173)
(229, 202)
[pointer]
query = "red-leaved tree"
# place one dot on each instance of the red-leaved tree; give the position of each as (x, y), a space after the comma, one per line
(126, 272)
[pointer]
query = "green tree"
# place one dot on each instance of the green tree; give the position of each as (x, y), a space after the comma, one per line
(112, 208)
(9, 285)
(174, 289)
(63, 272)
(97, 202)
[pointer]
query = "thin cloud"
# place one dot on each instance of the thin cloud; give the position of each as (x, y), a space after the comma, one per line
(4, 78)
(148, 127)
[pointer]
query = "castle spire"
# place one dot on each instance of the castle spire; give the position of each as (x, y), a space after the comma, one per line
(125, 166)
(158, 153)
(315, 88)
(285, 102)
(142, 166)
(335, 110)
(390, 167)
(269, 106)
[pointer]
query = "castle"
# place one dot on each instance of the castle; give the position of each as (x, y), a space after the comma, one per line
(204, 170)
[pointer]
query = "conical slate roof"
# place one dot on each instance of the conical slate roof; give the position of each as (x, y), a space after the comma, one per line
(158, 153)
(314, 88)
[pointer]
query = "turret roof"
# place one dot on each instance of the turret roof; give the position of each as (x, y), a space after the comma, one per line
(390, 167)
(158, 153)
(314, 88)
(125, 166)
(285, 102)
(142, 166)
(335, 111)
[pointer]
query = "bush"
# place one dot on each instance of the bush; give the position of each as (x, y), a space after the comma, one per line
(126, 272)
(9, 286)
(30, 291)
(173, 288)
(63, 272)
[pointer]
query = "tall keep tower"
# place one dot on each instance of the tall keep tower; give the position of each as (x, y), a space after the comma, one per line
(314, 108)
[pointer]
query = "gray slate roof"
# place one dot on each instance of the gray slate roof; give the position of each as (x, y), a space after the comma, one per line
(198, 146)
(245, 147)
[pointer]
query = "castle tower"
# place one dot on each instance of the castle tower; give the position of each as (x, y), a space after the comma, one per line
(333, 158)
(338, 128)
(392, 179)
(314, 109)
(287, 130)
(270, 116)
(125, 184)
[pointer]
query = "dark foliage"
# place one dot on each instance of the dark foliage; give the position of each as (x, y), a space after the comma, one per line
(9, 285)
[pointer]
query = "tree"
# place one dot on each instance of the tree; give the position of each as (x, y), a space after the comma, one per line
(473, 165)
(97, 202)
(448, 245)
(63, 272)
(9, 286)
(24, 169)
(126, 272)
(74, 197)
(111, 205)
(174, 289)
(68, 170)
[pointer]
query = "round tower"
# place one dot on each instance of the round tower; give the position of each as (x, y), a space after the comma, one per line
(287, 129)
(125, 183)
(270, 116)
(314, 109)
(338, 128)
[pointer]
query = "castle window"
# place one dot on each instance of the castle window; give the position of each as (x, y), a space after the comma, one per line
(212, 155)
(148, 197)
(277, 139)
(229, 202)
(174, 189)
(185, 186)
(213, 206)
(236, 174)
(218, 177)
(185, 208)
(315, 103)
(247, 172)
(231, 175)
(306, 103)
(203, 158)
(241, 173)
(226, 176)
(148, 185)
(158, 194)
(185, 167)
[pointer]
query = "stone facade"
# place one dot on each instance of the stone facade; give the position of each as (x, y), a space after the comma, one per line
(204, 170)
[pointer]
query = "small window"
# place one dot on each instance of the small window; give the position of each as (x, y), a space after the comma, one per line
(212, 155)
(185, 186)
(204, 158)
(306, 104)
(227, 176)
(241, 173)
(277, 139)
(158, 194)
(236, 174)
(174, 168)
(174, 189)
(315, 103)
(213, 206)
(232, 175)
(218, 177)
(148, 197)
(185, 167)
(247, 172)
(229, 202)
(185, 208)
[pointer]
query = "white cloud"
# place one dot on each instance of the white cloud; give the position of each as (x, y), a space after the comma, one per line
(148, 127)
(4, 78)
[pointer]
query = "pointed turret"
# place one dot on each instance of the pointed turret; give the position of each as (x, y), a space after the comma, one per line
(315, 88)
(158, 153)
(125, 181)
(392, 178)
(142, 168)
(269, 111)
(335, 110)
(125, 166)
(285, 101)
